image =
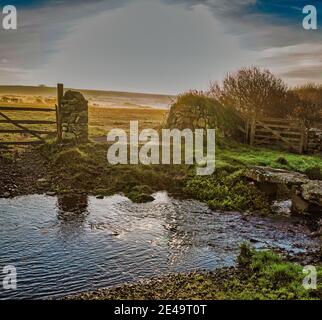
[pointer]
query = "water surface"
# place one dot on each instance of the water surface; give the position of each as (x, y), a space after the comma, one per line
(70, 244)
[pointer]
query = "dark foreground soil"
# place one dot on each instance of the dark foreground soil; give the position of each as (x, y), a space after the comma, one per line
(20, 172)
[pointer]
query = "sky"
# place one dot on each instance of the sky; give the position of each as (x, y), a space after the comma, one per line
(157, 46)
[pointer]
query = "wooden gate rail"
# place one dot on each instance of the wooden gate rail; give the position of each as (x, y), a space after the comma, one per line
(20, 143)
(19, 123)
(22, 129)
(26, 121)
(273, 131)
(13, 131)
(26, 109)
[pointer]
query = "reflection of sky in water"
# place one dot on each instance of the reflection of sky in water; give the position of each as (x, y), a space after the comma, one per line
(72, 244)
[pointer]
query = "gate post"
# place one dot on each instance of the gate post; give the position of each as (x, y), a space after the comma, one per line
(60, 94)
(252, 131)
(304, 138)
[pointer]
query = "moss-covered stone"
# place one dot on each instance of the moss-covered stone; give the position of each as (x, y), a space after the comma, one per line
(228, 191)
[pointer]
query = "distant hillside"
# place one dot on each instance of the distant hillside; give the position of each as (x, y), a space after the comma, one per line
(95, 97)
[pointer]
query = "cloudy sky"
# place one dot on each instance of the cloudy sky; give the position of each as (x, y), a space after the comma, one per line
(161, 46)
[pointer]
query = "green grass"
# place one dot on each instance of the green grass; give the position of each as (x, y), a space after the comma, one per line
(228, 189)
(269, 276)
(242, 155)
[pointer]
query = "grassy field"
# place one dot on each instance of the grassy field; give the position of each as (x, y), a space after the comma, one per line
(101, 120)
(233, 154)
(107, 109)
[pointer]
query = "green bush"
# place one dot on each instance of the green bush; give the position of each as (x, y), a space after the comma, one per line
(245, 257)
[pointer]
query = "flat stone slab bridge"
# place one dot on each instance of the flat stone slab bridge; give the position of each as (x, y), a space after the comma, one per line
(306, 194)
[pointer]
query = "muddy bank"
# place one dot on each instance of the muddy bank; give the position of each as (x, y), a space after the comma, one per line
(54, 170)
(21, 173)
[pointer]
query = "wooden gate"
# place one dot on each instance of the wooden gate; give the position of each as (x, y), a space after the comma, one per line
(20, 125)
(288, 134)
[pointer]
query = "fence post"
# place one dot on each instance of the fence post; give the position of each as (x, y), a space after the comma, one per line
(252, 131)
(60, 94)
(302, 140)
(247, 131)
(305, 138)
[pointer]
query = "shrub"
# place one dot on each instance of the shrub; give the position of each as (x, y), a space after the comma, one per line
(245, 257)
(197, 110)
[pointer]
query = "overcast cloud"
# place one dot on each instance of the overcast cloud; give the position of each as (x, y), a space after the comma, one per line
(156, 45)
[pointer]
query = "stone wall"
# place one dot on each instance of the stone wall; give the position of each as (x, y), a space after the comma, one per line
(74, 117)
(207, 115)
(315, 141)
(192, 117)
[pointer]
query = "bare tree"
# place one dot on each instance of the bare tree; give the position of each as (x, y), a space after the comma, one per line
(307, 102)
(253, 91)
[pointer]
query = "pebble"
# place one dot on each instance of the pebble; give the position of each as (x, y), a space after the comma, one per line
(252, 240)
(50, 193)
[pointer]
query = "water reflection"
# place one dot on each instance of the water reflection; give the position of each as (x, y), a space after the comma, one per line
(76, 203)
(71, 214)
